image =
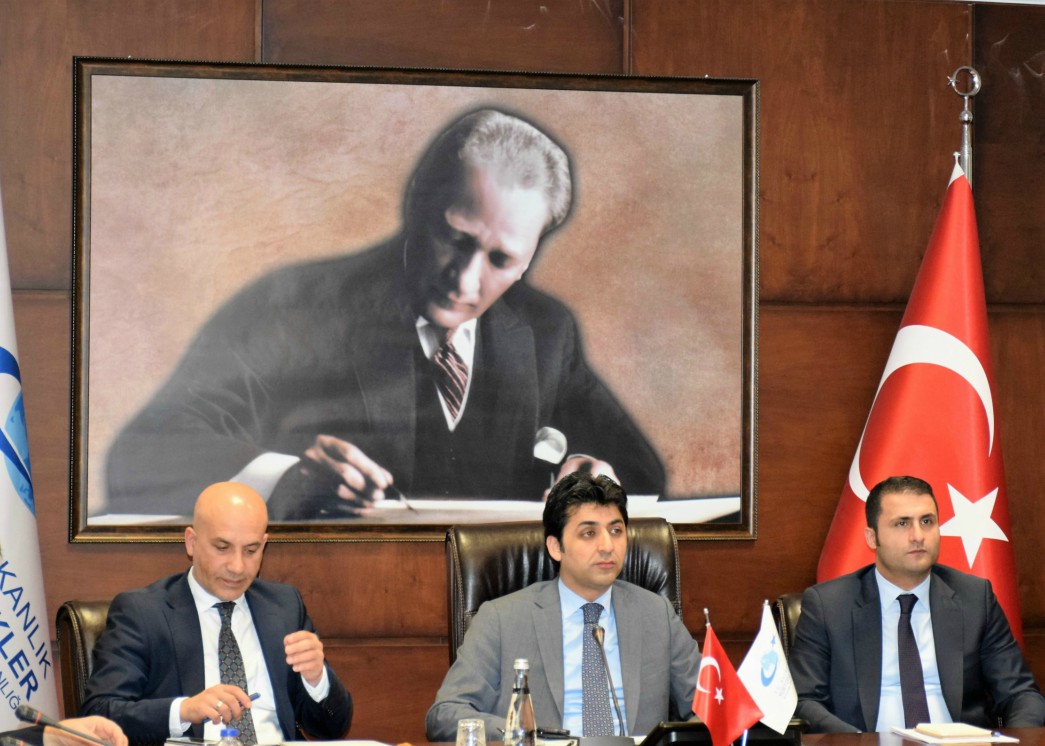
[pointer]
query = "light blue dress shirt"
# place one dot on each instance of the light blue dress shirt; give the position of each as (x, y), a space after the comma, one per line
(573, 653)
(890, 708)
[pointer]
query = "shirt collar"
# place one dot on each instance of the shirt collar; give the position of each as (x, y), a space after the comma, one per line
(204, 599)
(571, 602)
(432, 336)
(888, 592)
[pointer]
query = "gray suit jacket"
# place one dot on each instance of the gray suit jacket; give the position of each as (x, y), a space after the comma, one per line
(659, 658)
(836, 661)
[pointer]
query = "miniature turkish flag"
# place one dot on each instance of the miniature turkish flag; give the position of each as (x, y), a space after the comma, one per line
(722, 701)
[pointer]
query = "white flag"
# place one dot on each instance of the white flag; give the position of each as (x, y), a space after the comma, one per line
(27, 675)
(766, 676)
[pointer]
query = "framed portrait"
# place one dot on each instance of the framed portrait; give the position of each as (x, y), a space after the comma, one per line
(393, 300)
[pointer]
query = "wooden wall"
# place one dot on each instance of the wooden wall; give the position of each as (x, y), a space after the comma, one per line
(857, 129)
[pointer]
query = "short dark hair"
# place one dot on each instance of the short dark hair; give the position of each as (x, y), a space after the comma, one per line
(580, 488)
(518, 150)
(894, 486)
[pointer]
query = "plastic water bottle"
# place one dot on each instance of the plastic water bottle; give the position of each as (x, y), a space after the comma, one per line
(229, 737)
(520, 728)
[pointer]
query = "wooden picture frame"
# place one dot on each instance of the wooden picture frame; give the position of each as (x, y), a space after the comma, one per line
(195, 182)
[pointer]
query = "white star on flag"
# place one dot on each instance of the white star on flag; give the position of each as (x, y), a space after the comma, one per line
(718, 695)
(972, 521)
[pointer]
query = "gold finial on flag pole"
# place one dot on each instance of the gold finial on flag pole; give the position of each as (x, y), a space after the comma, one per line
(965, 156)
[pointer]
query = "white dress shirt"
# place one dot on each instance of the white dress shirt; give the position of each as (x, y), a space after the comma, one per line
(463, 340)
(890, 708)
(573, 655)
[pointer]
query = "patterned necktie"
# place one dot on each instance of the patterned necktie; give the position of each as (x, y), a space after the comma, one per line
(597, 720)
(451, 375)
(912, 685)
(230, 665)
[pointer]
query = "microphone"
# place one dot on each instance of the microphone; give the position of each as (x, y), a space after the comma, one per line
(600, 637)
(31, 715)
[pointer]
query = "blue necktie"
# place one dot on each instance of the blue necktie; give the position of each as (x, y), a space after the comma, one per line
(595, 714)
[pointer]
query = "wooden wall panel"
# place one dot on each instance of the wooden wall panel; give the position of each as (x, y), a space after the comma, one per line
(1009, 152)
(551, 35)
(392, 687)
(857, 128)
(1018, 347)
(38, 41)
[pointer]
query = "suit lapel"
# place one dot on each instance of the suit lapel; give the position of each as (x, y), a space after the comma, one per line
(547, 625)
(508, 362)
(630, 637)
(267, 617)
(948, 630)
(183, 622)
(867, 641)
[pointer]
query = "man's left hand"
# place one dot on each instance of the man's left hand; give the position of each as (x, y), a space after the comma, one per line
(305, 655)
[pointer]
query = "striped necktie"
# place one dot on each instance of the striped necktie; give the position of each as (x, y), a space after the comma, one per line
(451, 375)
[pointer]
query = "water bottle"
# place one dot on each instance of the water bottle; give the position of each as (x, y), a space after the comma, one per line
(229, 737)
(520, 728)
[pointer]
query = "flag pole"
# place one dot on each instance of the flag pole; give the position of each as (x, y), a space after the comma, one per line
(965, 156)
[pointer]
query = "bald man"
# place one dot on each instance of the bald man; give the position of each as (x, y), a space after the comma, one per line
(156, 666)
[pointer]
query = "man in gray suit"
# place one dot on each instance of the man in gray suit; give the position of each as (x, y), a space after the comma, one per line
(653, 660)
(846, 658)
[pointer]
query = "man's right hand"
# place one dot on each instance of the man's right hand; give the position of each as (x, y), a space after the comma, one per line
(219, 703)
(341, 471)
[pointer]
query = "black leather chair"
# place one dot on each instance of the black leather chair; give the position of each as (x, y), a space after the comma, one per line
(79, 625)
(486, 561)
(786, 611)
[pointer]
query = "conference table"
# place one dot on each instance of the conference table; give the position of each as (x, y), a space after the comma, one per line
(1027, 736)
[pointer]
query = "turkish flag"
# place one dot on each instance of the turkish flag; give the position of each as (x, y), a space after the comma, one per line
(722, 701)
(933, 417)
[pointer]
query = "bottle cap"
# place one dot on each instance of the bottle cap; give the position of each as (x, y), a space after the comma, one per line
(229, 733)
(522, 664)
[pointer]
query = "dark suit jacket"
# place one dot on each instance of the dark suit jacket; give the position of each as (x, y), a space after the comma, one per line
(659, 658)
(29, 736)
(331, 347)
(151, 652)
(836, 661)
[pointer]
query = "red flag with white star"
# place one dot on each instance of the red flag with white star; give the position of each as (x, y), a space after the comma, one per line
(722, 701)
(933, 417)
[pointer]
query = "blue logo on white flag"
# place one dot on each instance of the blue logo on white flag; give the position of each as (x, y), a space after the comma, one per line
(14, 441)
(770, 662)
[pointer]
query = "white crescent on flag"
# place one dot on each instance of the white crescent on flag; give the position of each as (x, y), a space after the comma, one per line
(917, 344)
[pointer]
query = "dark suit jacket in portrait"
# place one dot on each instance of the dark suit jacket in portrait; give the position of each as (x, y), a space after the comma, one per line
(28, 736)
(836, 661)
(658, 655)
(331, 347)
(151, 652)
